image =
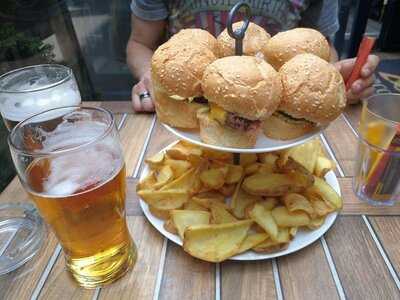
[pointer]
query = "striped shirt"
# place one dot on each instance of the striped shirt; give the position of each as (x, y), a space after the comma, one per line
(212, 15)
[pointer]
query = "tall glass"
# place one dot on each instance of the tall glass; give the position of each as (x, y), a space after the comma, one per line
(377, 177)
(71, 164)
(30, 90)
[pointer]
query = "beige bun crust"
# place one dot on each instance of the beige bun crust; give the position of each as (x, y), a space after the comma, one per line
(287, 44)
(177, 68)
(198, 36)
(279, 128)
(255, 40)
(313, 89)
(244, 85)
(212, 132)
(175, 113)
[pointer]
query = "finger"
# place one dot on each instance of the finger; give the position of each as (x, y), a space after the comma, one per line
(353, 98)
(368, 92)
(139, 87)
(370, 66)
(345, 67)
(148, 104)
(361, 84)
(137, 105)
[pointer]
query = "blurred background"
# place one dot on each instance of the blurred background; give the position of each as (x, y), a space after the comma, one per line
(90, 37)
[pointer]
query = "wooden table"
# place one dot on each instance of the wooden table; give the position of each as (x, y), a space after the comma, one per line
(359, 258)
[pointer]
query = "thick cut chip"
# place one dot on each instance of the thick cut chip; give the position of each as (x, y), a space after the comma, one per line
(325, 192)
(147, 183)
(214, 195)
(191, 205)
(298, 173)
(220, 214)
(240, 201)
(297, 202)
(163, 176)
(213, 178)
(252, 169)
(316, 223)
(251, 241)
(170, 227)
(265, 220)
(247, 159)
(227, 189)
(207, 202)
(284, 218)
(189, 181)
(235, 173)
(273, 245)
(293, 232)
(166, 199)
(305, 154)
(179, 167)
(272, 184)
(159, 213)
(215, 243)
(184, 152)
(323, 166)
(268, 161)
(269, 203)
(185, 218)
(156, 160)
(320, 207)
(217, 155)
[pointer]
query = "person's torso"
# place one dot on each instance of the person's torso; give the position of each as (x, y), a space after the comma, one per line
(273, 15)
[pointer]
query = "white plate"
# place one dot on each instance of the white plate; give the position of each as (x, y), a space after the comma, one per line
(302, 239)
(263, 144)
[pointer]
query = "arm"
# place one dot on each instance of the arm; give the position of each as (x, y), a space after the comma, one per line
(144, 39)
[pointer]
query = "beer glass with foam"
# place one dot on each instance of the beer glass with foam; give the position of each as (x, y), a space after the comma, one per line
(70, 162)
(30, 90)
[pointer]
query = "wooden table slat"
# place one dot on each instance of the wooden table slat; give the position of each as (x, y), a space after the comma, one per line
(360, 266)
(307, 267)
(343, 143)
(247, 280)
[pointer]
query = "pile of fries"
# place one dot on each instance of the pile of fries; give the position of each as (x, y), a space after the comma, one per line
(220, 209)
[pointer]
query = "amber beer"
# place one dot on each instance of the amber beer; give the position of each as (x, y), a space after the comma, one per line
(76, 176)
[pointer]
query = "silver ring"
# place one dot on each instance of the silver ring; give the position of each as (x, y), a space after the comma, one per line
(143, 95)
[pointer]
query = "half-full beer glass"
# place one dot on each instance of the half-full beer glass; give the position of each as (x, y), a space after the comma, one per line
(70, 162)
(30, 90)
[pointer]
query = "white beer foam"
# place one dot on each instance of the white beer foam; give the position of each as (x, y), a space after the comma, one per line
(19, 106)
(77, 170)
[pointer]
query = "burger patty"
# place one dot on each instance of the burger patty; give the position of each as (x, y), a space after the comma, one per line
(290, 118)
(200, 100)
(236, 122)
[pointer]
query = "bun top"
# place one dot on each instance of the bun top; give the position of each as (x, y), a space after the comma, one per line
(287, 44)
(177, 68)
(255, 40)
(196, 36)
(312, 89)
(244, 85)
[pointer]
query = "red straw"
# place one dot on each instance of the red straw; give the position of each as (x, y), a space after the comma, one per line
(364, 50)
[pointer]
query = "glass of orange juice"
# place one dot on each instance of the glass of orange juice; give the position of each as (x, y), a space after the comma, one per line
(70, 162)
(377, 175)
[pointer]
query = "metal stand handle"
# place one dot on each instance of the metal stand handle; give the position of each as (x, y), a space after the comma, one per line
(238, 34)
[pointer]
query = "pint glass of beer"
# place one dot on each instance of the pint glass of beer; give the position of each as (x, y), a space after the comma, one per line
(30, 90)
(70, 162)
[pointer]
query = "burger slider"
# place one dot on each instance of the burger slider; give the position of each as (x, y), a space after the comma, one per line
(254, 42)
(287, 44)
(177, 67)
(241, 91)
(313, 95)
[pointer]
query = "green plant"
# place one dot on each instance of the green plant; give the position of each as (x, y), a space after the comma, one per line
(17, 45)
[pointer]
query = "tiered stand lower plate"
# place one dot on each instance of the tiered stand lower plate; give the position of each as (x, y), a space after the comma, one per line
(303, 237)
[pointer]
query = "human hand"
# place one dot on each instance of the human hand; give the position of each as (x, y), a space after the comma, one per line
(142, 95)
(362, 87)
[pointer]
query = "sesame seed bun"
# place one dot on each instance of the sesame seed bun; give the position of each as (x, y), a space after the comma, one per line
(255, 40)
(313, 89)
(280, 127)
(175, 113)
(177, 68)
(195, 35)
(243, 85)
(287, 44)
(212, 132)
